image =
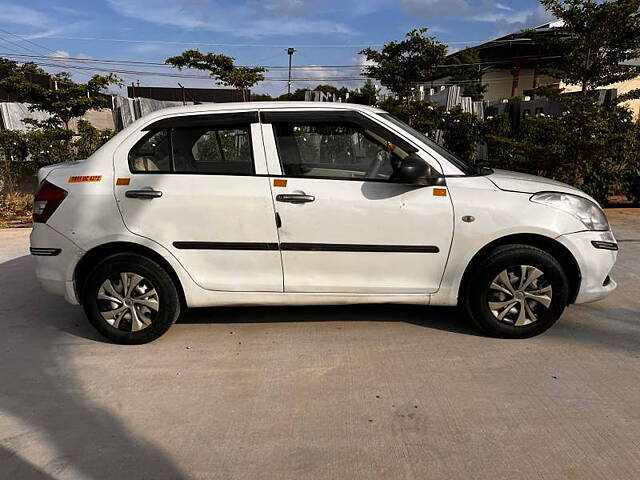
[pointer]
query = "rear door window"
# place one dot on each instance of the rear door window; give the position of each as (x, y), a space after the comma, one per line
(152, 153)
(219, 150)
(198, 145)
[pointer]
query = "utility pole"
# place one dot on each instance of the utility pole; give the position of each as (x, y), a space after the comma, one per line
(290, 52)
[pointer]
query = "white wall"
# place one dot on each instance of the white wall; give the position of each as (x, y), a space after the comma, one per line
(622, 87)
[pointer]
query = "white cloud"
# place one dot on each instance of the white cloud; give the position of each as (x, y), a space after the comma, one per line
(146, 48)
(43, 34)
(362, 61)
(501, 6)
(246, 19)
(34, 23)
(75, 12)
(60, 54)
(488, 11)
(438, 8)
(300, 8)
(528, 19)
(313, 76)
(64, 55)
(19, 15)
(490, 17)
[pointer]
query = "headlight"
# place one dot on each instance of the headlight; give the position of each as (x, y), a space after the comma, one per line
(584, 210)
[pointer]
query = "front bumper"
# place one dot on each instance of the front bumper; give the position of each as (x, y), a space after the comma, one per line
(56, 259)
(595, 263)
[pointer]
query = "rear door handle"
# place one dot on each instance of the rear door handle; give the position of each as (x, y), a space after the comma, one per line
(295, 198)
(145, 194)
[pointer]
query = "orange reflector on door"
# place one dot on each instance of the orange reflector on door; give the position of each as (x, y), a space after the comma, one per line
(123, 181)
(439, 192)
(278, 182)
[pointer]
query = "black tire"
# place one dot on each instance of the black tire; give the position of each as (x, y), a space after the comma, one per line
(509, 258)
(168, 301)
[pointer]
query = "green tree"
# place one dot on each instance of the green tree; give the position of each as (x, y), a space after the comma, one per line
(593, 42)
(297, 96)
(261, 97)
(68, 101)
(71, 100)
(14, 78)
(466, 69)
(399, 65)
(331, 90)
(367, 95)
(221, 67)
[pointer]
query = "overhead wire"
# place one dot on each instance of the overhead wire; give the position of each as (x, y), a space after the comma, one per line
(267, 78)
(28, 49)
(270, 67)
(82, 64)
(241, 45)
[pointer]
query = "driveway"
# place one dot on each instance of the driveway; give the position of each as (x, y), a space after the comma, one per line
(385, 392)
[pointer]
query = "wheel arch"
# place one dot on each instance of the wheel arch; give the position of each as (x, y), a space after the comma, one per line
(99, 253)
(547, 244)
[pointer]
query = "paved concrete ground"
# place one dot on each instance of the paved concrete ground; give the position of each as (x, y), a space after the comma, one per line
(389, 392)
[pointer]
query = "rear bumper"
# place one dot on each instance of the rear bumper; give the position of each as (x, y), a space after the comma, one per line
(595, 263)
(56, 259)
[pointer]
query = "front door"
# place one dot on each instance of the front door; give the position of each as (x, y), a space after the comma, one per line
(195, 188)
(346, 225)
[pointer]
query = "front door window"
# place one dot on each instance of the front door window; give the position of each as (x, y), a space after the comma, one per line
(339, 150)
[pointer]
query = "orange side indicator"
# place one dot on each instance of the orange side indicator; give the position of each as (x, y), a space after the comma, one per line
(278, 182)
(439, 192)
(123, 181)
(85, 178)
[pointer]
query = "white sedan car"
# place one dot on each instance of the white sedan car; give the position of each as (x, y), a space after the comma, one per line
(308, 204)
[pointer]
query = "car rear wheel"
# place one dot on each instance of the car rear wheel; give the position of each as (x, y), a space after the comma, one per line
(130, 299)
(518, 291)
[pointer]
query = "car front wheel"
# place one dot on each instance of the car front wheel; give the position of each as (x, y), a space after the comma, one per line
(130, 299)
(518, 291)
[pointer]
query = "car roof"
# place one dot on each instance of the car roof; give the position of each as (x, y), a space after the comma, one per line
(244, 106)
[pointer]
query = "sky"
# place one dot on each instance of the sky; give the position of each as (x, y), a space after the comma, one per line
(327, 34)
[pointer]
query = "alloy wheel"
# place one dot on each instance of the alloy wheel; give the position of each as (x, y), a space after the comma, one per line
(519, 295)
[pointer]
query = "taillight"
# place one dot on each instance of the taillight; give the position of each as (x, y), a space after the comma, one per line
(48, 198)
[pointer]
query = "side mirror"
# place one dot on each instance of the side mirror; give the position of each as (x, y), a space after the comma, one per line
(415, 171)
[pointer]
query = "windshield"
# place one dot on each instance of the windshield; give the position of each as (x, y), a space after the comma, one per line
(423, 138)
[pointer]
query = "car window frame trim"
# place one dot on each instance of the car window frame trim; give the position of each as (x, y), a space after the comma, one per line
(259, 115)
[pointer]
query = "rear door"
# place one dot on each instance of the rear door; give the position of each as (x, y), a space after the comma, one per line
(197, 185)
(346, 224)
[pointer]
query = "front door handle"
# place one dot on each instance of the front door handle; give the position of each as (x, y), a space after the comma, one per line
(145, 194)
(295, 198)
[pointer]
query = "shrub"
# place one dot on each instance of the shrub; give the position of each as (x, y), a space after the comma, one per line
(593, 147)
(462, 132)
(90, 139)
(23, 153)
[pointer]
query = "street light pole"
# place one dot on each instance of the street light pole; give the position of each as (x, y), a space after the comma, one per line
(290, 52)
